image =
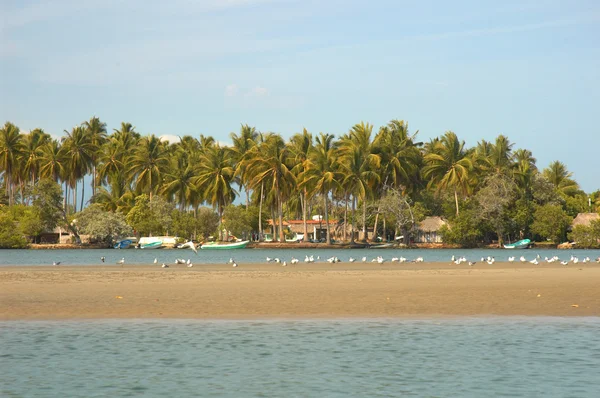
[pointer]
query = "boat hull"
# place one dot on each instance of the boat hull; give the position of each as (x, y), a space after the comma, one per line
(123, 244)
(151, 245)
(522, 244)
(225, 246)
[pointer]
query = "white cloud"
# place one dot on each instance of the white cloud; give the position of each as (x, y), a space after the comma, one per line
(258, 91)
(172, 139)
(231, 90)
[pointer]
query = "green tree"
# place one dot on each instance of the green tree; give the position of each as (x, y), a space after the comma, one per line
(449, 166)
(465, 230)
(586, 236)
(560, 177)
(551, 222)
(103, 226)
(207, 222)
(79, 151)
(147, 165)
(10, 236)
(150, 216)
(11, 147)
(96, 130)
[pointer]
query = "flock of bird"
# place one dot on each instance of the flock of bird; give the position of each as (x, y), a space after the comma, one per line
(380, 260)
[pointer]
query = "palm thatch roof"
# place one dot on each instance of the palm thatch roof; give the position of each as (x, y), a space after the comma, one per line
(432, 224)
(585, 219)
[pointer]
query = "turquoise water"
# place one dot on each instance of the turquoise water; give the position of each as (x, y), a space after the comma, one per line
(136, 256)
(464, 357)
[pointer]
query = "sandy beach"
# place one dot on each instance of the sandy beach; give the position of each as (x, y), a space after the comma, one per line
(300, 291)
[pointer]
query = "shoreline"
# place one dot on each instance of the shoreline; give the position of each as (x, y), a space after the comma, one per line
(315, 291)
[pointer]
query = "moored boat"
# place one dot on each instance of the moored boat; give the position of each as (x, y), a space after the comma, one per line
(123, 244)
(522, 244)
(224, 246)
(151, 245)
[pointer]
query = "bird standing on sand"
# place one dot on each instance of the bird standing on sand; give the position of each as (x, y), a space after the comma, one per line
(155, 260)
(56, 263)
(190, 265)
(164, 265)
(121, 261)
(102, 258)
(234, 264)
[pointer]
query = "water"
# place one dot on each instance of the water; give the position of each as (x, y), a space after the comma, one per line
(136, 256)
(466, 357)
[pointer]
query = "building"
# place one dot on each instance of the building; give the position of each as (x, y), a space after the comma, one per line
(428, 230)
(585, 219)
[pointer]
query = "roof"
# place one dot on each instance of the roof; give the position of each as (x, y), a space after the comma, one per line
(431, 224)
(300, 222)
(585, 218)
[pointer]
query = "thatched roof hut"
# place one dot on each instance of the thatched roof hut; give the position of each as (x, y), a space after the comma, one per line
(585, 219)
(432, 224)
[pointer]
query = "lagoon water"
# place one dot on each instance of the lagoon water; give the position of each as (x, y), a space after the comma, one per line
(466, 357)
(138, 256)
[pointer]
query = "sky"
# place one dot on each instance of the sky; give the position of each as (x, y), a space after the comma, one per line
(527, 69)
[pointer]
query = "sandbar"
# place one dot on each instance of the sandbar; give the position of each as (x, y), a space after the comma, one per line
(320, 290)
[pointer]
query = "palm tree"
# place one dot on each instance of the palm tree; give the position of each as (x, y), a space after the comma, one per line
(242, 145)
(79, 150)
(300, 146)
(147, 164)
(179, 182)
(32, 143)
(215, 176)
(560, 177)
(52, 159)
(97, 132)
(360, 167)
(322, 172)
(11, 147)
(266, 167)
(448, 166)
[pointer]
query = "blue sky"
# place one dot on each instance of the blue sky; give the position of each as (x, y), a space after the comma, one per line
(526, 69)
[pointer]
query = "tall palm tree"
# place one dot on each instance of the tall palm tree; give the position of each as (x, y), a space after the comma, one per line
(560, 177)
(360, 165)
(148, 164)
(448, 166)
(32, 143)
(79, 150)
(266, 167)
(215, 176)
(97, 132)
(241, 145)
(179, 182)
(300, 146)
(322, 172)
(11, 147)
(53, 157)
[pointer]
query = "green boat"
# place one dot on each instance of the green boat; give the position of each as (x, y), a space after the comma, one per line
(224, 246)
(151, 245)
(522, 244)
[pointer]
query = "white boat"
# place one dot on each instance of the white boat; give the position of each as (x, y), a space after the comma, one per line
(224, 246)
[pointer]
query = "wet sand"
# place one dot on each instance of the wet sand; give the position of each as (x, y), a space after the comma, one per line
(299, 291)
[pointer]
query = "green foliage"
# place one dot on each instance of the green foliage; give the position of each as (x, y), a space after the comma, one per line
(150, 217)
(523, 216)
(238, 221)
(586, 236)
(10, 237)
(47, 197)
(207, 222)
(185, 224)
(464, 230)
(101, 225)
(576, 204)
(551, 222)
(495, 199)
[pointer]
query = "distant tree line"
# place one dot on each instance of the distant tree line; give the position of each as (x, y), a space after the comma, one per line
(378, 182)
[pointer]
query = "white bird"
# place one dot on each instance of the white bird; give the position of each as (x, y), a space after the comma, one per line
(188, 262)
(453, 259)
(234, 264)
(284, 264)
(534, 261)
(564, 262)
(491, 260)
(269, 259)
(230, 261)
(511, 259)
(277, 260)
(56, 263)
(472, 263)
(179, 261)
(102, 258)
(190, 265)
(294, 260)
(380, 260)
(523, 259)
(395, 259)
(306, 259)
(364, 259)
(419, 260)
(155, 261)
(351, 259)
(164, 265)
(331, 260)
(402, 260)
(121, 261)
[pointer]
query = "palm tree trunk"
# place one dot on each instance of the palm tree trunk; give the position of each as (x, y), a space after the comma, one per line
(456, 200)
(326, 218)
(374, 237)
(75, 198)
(346, 218)
(260, 232)
(82, 193)
(353, 218)
(364, 220)
(304, 226)
(280, 215)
